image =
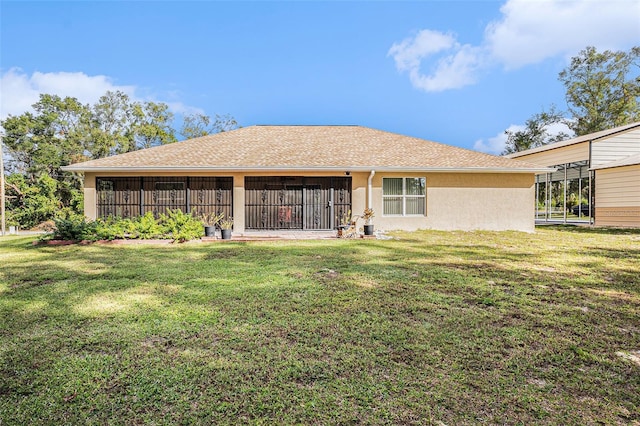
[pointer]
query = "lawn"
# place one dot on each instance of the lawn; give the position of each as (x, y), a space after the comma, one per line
(429, 328)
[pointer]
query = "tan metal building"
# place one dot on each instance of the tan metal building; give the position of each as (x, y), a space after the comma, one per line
(308, 177)
(597, 178)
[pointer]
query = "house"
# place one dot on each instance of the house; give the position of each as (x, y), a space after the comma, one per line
(597, 178)
(308, 177)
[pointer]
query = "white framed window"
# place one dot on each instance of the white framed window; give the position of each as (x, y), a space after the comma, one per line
(404, 196)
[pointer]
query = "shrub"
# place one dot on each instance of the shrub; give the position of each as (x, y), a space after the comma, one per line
(176, 225)
(147, 226)
(181, 226)
(74, 228)
(113, 228)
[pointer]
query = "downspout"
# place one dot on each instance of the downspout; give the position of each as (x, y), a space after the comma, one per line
(370, 189)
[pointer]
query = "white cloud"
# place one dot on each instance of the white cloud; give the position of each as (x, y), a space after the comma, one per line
(182, 109)
(496, 144)
(412, 50)
(528, 32)
(20, 90)
(452, 70)
(532, 31)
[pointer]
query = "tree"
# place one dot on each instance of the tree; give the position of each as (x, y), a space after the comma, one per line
(537, 132)
(30, 203)
(43, 141)
(602, 89)
(61, 131)
(110, 131)
(152, 125)
(198, 125)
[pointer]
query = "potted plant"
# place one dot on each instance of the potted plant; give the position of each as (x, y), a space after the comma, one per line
(210, 221)
(225, 226)
(367, 215)
(345, 221)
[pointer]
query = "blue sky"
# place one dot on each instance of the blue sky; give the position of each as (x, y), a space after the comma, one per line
(457, 72)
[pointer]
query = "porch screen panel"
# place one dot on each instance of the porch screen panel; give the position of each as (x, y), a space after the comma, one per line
(317, 199)
(273, 202)
(287, 202)
(341, 187)
(211, 195)
(117, 197)
(162, 193)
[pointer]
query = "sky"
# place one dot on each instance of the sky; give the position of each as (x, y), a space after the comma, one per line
(456, 72)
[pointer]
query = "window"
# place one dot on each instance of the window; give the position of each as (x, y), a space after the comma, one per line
(404, 196)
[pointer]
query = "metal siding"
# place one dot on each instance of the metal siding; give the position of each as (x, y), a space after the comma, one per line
(568, 154)
(618, 187)
(615, 148)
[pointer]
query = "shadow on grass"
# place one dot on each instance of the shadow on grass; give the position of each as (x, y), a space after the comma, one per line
(590, 230)
(440, 326)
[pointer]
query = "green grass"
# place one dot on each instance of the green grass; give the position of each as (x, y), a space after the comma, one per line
(430, 328)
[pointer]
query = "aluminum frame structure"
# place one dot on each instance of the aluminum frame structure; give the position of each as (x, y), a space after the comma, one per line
(566, 189)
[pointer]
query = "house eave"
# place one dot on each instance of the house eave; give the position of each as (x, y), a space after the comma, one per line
(302, 169)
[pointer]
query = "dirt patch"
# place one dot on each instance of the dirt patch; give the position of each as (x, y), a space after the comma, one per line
(31, 283)
(633, 356)
(327, 274)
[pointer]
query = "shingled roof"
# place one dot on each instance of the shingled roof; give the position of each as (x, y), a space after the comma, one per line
(299, 148)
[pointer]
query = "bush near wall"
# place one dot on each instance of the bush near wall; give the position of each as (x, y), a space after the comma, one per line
(174, 225)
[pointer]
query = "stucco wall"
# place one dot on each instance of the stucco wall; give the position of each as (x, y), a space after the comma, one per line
(454, 201)
(466, 201)
(90, 196)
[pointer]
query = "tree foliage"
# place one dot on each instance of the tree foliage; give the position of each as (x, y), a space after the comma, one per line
(61, 131)
(198, 125)
(602, 90)
(536, 132)
(30, 203)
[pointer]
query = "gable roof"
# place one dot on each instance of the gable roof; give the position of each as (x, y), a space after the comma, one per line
(584, 138)
(320, 148)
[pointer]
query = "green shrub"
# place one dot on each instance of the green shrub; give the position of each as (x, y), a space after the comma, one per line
(113, 228)
(74, 228)
(181, 226)
(147, 226)
(176, 225)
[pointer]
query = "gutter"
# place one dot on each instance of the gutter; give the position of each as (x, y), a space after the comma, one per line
(370, 189)
(302, 169)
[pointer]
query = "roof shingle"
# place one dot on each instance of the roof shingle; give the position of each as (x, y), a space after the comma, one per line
(305, 148)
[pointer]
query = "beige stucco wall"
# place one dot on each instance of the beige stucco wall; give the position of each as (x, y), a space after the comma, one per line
(90, 196)
(455, 201)
(618, 196)
(466, 201)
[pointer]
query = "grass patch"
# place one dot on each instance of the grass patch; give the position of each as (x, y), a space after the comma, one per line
(430, 328)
